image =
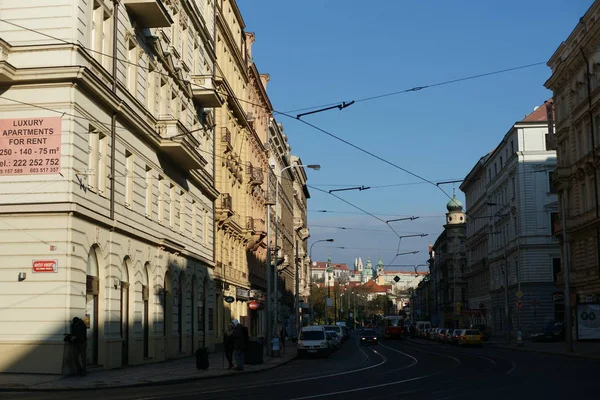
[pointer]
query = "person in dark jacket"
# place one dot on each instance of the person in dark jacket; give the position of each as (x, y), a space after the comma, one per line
(240, 344)
(79, 342)
(228, 344)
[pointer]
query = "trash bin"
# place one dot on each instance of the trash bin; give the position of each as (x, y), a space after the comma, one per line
(254, 354)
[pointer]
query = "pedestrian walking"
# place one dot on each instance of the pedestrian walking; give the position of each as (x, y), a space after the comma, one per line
(78, 339)
(228, 344)
(240, 344)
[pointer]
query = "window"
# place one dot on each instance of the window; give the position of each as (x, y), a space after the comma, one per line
(93, 149)
(164, 98)
(553, 222)
(172, 204)
(182, 212)
(161, 199)
(501, 163)
(514, 187)
(151, 89)
(149, 191)
(132, 58)
(495, 169)
(194, 220)
(205, 232)
(583, 197)
(556, 267)
(512, 147)
(129, 175)
(102, 163)
(551, 186)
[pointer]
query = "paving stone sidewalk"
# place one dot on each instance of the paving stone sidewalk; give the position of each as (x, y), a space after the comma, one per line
(180, 370)
(581, 349)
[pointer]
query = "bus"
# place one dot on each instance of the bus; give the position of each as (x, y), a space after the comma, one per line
(393, 326)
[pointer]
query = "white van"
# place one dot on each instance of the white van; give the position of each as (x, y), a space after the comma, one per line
(313, 340)
(421, 326)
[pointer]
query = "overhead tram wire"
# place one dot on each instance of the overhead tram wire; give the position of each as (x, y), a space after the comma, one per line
(285, 113)
(417, 88)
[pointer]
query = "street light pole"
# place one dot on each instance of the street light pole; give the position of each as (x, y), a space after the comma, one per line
(312, 311)
(269, 202)
(275, 268)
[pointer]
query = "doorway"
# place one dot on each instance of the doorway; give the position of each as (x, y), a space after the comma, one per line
(92, 287)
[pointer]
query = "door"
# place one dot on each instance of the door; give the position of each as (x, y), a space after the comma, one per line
(124, 323)
(92, 319)
(145, 319)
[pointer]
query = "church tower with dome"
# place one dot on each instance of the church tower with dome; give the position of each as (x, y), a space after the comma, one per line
(448, 272)
(455, 214)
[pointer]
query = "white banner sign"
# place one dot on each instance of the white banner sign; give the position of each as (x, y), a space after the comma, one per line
(588, 321)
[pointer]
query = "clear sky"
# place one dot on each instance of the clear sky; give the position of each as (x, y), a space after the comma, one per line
(326, 51)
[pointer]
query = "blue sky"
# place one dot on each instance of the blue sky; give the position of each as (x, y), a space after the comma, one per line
(326, 51)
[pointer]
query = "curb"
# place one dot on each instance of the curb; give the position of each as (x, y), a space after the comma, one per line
(574, 355)
(145, 384)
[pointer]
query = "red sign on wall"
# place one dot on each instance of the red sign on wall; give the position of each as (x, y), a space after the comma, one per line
(254, 305)
(45, 266)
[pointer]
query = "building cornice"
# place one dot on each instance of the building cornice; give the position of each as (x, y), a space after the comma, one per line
(149, 236)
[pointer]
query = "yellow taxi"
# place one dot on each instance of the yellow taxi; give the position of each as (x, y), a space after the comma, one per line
(470, 337)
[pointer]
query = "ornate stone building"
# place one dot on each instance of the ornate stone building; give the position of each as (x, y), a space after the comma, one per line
(575, 83)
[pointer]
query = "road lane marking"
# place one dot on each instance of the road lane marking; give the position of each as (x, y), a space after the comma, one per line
(415, 361)
(438, 354)
(365, 387)
(514, 366)
(273, 383)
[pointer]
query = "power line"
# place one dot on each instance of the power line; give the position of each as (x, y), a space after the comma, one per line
(419, 88)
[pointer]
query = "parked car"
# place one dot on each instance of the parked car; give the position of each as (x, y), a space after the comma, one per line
(313, 341)
(336, 343)
(484, 329)
(455, 335)
(553, 332)
(470, 337)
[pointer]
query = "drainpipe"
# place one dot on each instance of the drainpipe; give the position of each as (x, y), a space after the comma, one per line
(593, 141)
(113, 122)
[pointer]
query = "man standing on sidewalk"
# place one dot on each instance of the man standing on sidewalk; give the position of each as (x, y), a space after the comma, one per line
(79, 343)
(240, 344)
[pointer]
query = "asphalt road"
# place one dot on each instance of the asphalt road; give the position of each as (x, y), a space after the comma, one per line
(390, 370)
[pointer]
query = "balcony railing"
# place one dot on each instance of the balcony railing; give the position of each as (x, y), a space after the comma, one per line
(204, 91)
(149, 13)
(250, 223)
(226, 138)
(226, 201)
(255, 175)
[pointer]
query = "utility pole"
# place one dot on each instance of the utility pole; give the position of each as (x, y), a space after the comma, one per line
(565, 267)
(268, 203)
(506, 313)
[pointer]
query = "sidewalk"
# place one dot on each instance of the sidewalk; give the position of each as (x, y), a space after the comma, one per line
(580, 349)
(172, 371)
(590, 350)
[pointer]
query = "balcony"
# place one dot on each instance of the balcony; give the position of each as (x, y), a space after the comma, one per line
(224, 207)
(226, 139)
(179, 145)
(204, 91)
(250, 223)
(255, 175)
(149, 13)
(258, 233)
(298, 223)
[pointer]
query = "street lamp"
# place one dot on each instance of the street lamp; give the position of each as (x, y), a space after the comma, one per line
(310, 276)
(275, 273)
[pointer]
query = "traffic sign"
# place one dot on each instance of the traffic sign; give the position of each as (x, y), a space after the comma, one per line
(519, 294)
(519, 304)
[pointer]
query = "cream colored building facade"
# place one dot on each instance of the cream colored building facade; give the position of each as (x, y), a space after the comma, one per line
(115, 223)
